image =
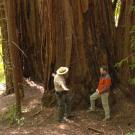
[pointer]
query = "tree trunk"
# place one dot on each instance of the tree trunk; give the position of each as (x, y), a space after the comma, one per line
(126, 22)
(14, 52)
(74, 33)
(79, 35)
(5, 50)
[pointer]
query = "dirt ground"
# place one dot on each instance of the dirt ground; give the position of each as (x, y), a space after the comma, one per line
(38, 120)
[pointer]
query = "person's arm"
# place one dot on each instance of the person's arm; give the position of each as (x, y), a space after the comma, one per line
(63, 85)
(99, 86)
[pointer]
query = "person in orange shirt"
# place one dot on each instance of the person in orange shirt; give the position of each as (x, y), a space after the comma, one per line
(103, 92)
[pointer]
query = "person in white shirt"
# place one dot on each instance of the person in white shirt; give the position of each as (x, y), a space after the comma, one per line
(62, 91)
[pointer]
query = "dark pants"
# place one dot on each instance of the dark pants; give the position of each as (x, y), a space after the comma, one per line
(64, 104)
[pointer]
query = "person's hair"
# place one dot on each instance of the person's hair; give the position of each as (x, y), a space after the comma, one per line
(104, 67)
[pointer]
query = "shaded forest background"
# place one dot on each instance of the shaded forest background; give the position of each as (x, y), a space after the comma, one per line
(41, 35)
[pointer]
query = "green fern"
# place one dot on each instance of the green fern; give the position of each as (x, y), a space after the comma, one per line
(11, 114)
(133, 8)
(131, 133)
(132, 66)
(132, 81)
(123, 61)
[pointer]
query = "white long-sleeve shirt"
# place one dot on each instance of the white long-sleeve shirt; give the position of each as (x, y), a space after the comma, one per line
(59, 83)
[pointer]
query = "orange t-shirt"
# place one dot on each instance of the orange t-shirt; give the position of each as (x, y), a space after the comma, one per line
(104, 83)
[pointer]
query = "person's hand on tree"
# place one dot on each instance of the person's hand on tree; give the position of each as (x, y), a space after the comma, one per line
(97, 91)
(53, 74)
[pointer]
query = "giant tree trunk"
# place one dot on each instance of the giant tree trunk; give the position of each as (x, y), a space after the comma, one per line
(74, 33)
(79, 35)
(14, 51)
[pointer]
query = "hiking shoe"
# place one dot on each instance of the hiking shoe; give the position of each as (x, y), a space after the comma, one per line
(69, 116)
(61, 121)
(106, 119)
(68, 120)
(90, 110)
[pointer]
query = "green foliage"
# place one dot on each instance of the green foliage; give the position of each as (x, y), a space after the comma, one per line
(133, 133)
(119, 64)
(133, 29)
(132, 81)
(2, 75)
(132, 66)
(117, 12)
(133, 8)
(133, 37)
(125, 60)
(11, 116)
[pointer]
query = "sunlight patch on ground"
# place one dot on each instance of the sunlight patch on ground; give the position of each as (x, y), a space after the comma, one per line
(18, 132)
(33, 103)
(33, 84)
(25, 109)
(30, 91)
(30, 106)
(6, 102)
(4, 109)
(62, 126)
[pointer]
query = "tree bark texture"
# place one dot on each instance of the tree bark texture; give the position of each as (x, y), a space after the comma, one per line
(79, 34)
(123, 38)
(14, 51)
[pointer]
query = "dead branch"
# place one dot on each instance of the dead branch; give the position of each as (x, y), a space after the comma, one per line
(95, 130)
(37, 113)
(121, 130)
(17, 46)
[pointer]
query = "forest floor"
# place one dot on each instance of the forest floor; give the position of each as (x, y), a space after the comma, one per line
(38, 120)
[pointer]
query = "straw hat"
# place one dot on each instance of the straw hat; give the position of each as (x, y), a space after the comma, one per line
(62, 70)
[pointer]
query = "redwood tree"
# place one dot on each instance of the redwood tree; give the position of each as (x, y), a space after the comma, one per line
(14, 52)
(80, 35)
(75, 33)
(123, 42)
